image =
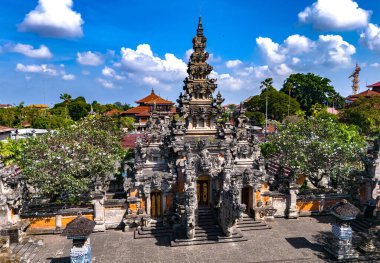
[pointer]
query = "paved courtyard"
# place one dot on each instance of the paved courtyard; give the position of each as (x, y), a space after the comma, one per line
(287, 241)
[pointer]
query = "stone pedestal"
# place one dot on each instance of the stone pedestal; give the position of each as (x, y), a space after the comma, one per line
(58, 222)
(341, 245)
(99, 216)
(292, 211)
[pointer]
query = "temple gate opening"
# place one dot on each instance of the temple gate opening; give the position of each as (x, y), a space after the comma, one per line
(203, 185)
(155, 208)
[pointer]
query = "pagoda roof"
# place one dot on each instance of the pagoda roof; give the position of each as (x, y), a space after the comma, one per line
(377, 84)
(153, 98)
(138, 111)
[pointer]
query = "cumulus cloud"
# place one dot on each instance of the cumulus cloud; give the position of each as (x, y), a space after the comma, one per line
(145, 68)
(375, 65)
(371, 37)
(53, 18)
(68, 77)
(111, 73)
(105, 83)
(335, 15)
(233, 63)
(299, 52)
(30, 51)
(90, 58)
(41, 69)
(44, 69)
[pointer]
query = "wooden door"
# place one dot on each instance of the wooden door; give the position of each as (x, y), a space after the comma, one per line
(202, 192)
(155, 208)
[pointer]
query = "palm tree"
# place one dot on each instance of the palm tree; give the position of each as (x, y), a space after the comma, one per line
(66, 99)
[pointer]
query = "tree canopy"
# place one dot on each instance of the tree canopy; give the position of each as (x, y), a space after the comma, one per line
(320, 149)
(310, 89)
(364, 113)
(66, 163)
(279, 104)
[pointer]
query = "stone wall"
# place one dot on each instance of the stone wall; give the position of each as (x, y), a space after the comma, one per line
(114, 215)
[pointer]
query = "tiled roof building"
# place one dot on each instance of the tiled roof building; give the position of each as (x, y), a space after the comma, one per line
(373, 91)
(146, 105)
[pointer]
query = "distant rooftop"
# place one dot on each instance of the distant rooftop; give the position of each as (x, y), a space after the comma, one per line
(153, 98)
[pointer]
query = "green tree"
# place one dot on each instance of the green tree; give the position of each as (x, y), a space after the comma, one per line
(66, 163)
(320, 149)
(310, 89)
(11, 151)
(128, 122)
(279, 104)
(364, 113)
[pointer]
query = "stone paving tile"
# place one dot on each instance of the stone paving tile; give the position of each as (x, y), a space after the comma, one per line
(288, 241)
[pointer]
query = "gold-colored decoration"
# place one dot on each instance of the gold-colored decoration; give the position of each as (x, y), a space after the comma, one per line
(158, 200)
(153, 212)
(205, 193)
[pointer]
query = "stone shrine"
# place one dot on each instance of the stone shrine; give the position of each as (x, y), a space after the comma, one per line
(195, 161)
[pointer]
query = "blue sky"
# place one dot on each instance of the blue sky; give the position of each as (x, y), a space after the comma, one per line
(119, 50)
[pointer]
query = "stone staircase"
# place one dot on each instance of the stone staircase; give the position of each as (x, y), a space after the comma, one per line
(155, 230)
(26, 250)
(247, 223)
(207, 231)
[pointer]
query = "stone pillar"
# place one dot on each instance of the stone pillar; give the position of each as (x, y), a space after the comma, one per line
(292, 210)
(58, 222)
(341, 246)
(99, 216)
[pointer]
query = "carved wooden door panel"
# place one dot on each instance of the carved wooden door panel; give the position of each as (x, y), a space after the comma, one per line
(202, 192)
(155, 208)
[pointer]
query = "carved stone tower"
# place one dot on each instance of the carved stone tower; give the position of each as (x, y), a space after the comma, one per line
(197, 105)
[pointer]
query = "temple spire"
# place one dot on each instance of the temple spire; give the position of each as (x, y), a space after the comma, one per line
(200, 27)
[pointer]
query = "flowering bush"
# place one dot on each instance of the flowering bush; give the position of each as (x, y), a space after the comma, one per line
(320, 149)
(66, 163)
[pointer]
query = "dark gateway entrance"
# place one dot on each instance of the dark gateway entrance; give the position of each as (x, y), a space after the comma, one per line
(245, 198)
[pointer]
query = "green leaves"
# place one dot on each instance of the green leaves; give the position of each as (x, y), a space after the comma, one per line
(320, 149)
(66, 163)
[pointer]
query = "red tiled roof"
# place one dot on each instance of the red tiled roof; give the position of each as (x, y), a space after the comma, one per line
(6, 129)
(5, 105)
(129, 141)
(138, 110)
(154, 98)
(112, 112)
(367, 93)
(377, 84)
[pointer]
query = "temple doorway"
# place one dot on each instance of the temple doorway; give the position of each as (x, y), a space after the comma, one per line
(246, 192)
(203, 191)
(155, 208)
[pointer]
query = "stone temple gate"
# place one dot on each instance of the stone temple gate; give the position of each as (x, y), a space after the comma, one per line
(196, 161)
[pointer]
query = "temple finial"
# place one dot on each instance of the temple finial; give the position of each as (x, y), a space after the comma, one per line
(200, 27)
(152, 90)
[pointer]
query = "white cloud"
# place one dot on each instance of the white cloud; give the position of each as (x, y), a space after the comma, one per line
(332, 50)
(86, 72)
(89, 58)
(105, 83)
(68, 77)
(233, 63)
(142, 66)
(53, 18)
(111, 73)
(329, 51)
(371, 37)
(375, 65)
(30, 51)
(230, 83)
(335, 15)
(41, 69)
(151, 81)
(270, 50)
